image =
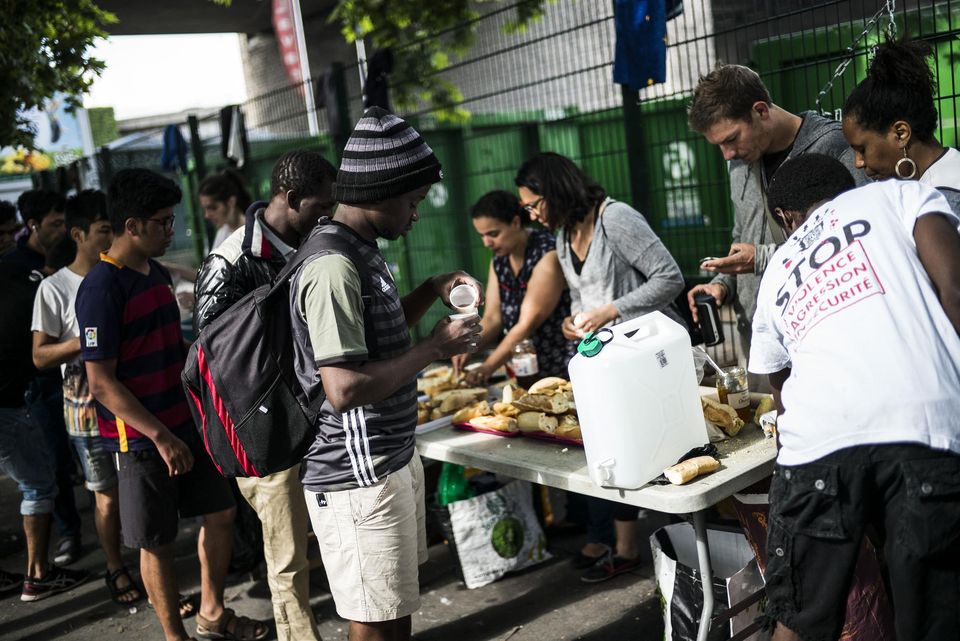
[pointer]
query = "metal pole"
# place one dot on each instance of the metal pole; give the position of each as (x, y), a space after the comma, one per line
(312, 123)
(706, 573)
(362, 61)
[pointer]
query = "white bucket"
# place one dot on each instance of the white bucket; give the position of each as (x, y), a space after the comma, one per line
(638, 401)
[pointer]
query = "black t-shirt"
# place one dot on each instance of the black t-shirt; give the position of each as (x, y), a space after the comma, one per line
(772, 162)
(18, 285)
(24, 256)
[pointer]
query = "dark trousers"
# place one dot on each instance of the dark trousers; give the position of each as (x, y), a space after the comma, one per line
(45, 400)
(908, 493)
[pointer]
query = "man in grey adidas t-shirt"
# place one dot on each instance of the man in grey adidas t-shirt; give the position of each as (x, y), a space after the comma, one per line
(362, 476)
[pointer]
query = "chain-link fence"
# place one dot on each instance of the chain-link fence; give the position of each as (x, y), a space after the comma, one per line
(550, 88)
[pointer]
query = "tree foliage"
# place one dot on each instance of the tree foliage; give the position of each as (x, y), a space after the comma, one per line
(424, 38)
(44, 49)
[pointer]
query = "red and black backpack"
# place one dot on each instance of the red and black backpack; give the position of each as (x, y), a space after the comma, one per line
(241, 383)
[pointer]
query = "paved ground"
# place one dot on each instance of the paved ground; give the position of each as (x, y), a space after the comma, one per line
(548, 602)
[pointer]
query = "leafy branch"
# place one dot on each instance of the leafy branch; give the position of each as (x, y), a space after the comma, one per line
(424, 37)
(44, 49)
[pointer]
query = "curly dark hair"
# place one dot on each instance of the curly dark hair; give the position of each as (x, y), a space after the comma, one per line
(501, 205)
(728, 92)
(86, 208)
(225, 184)
(37, 204)
(899, 86)
(139, 193)
(570, 194)
(806, 180)
(305, 173)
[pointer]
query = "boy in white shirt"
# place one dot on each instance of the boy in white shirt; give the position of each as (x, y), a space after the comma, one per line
(56, 342)
(857, 327)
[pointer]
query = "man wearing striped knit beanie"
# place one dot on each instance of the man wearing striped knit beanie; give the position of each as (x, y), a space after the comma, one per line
(362, 477)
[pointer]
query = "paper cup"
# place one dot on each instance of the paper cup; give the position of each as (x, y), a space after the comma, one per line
(464, 299)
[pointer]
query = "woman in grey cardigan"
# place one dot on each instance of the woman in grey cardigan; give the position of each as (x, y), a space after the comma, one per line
(617, 269)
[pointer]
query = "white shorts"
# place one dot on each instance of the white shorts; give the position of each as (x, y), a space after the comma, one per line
(372, 539)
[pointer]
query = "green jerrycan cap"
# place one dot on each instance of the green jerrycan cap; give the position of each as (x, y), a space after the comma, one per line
(592, 342)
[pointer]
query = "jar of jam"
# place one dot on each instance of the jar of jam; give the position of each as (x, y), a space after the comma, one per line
(524, 364)
(734, 390)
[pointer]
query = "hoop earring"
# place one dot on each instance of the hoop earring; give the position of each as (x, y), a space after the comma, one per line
(905, 161)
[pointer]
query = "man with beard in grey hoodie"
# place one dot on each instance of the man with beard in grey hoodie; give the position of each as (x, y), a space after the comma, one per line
(732, 109)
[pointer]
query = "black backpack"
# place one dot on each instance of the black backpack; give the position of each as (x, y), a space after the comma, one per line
(250, 408)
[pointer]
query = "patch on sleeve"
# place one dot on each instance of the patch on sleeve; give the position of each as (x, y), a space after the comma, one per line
(90, 335)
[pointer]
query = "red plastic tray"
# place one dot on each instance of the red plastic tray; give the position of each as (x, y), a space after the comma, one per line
(470, 428)
(543, 436)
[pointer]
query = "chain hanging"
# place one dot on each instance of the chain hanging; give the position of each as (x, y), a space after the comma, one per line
(850, 52)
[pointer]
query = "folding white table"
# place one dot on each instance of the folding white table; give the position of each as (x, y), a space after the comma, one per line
(744, 460)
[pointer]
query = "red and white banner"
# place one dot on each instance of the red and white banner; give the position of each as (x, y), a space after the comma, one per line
(286, 30)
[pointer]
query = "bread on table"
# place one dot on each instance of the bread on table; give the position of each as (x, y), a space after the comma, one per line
(569, 427)
(471, 411)
(498, 423)
(721, 415)
(690, 469)
(454, 400)
(505, 409)
(536, 422)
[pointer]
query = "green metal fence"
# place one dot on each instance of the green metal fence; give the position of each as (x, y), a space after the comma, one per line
(550, 89)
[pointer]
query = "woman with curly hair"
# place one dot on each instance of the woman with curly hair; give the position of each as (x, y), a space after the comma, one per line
(890, 119)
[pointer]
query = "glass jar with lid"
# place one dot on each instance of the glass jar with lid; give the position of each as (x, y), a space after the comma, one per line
(734, 390)
(524, 363)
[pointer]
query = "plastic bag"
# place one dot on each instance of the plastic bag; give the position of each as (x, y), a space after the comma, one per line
(496, 533)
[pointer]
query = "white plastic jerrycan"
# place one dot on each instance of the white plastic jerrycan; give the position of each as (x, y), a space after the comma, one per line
(637, 399)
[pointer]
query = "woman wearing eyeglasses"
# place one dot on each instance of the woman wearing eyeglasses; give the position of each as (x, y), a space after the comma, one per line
(890, 119)
(526, 295)
(617, 269)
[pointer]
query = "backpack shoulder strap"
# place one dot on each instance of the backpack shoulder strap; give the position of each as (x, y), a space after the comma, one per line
(316, 242)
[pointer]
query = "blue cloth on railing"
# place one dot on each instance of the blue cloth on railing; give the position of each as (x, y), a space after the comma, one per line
(640, 58)
(173, 156)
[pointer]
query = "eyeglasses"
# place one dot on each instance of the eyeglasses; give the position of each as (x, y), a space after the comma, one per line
(531, 208)
(167, 222)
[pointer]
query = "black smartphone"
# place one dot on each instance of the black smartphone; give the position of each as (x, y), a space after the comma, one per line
(709, 317)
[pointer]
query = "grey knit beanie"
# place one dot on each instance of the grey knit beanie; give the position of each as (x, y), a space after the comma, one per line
(384, 157)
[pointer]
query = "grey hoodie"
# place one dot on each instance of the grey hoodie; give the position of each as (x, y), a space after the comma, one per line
(752, 223)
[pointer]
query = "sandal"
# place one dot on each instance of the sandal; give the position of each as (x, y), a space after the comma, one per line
(231, 627)
(117, 593)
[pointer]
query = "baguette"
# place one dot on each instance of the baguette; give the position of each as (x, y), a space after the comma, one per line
(722, 415)
(505, 409)
(541, 403)
(456, 399)
(537, 422)
(499, 423)
(548, 385)
(690, 469)
(471, 411)
(569, 427)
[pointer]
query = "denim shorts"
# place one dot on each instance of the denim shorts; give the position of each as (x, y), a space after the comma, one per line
(909, 495)
(25, 457)
(99, 468)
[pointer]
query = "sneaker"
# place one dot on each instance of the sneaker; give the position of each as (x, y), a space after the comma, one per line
(608, 567)
(56, 580)
(68, 550)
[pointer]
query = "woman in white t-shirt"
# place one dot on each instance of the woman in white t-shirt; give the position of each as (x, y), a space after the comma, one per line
(890, 119)
(224, 199)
